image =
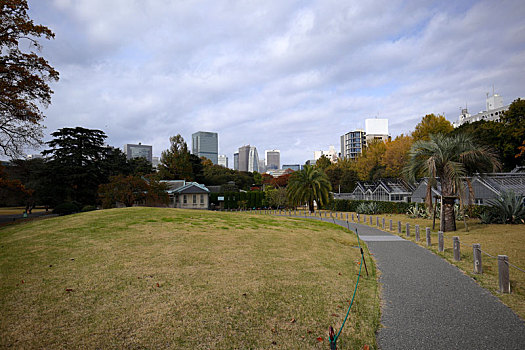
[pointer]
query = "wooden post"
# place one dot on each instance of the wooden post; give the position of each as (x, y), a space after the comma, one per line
(383, 223)
(358, 217)
(399, 227)
(371, 217)
(503, 272)
(408, 229)
(478, 267)
(346, 217)
(353, 217)
(390, 225)
(377, 221)
(364, 219)
(417, 233)
(441, 242)
(429, 241)
(457, 252)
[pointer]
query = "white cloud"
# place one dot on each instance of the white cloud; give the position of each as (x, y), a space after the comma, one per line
(275, 74)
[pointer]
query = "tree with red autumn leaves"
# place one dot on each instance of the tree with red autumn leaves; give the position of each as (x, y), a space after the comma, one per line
(24, 78)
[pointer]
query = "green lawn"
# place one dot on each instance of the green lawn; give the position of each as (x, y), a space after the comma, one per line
(168, 278)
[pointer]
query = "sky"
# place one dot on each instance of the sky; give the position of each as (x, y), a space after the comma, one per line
(287, 75)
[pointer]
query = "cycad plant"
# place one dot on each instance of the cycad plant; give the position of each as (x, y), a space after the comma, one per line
(508, 208)
(309, 185)
(447, 158)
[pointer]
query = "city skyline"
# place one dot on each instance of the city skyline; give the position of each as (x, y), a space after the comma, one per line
(275, 74)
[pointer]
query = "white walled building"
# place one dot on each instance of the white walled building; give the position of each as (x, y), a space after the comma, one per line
(222, 160)
(495, 108)
(376, 129)
(331, 154)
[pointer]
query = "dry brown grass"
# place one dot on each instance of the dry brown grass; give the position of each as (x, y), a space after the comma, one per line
(494, 239)
(167, 278)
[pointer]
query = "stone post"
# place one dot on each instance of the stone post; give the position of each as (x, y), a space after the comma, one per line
(503, 273)
(457, 251)
(478, 267)
(441, 242)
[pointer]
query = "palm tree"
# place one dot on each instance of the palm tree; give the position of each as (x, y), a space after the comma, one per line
(309, 185)
(448, 158)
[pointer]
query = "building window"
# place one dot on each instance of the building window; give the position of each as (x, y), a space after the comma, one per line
(194, 198)
(184, 199)
(202, 199)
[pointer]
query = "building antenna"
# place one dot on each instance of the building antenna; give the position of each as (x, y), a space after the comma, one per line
(493, 93)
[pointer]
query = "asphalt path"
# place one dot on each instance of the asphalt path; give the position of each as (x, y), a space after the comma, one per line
(18, 217)
(430, 304)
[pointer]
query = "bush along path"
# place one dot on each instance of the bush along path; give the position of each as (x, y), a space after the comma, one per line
(429, 303)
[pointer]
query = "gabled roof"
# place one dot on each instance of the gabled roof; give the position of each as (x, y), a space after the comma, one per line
(503, 182)
(173, 184)
(191, 188)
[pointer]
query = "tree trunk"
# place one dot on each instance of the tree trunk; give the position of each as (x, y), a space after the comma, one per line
(471, 195)
(449, 217)
(311, 206)
(428, 197)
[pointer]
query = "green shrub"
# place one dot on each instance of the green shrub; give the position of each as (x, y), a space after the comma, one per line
(66, 208)
(88, 208)
(378, 208)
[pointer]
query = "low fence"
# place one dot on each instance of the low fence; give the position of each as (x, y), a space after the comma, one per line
(380, 222)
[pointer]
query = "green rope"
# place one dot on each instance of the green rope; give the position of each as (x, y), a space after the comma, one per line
(355, 289)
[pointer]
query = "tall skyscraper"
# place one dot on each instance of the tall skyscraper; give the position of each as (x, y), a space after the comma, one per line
(223, 160)
(205, 144)
(353, 143)
(273, 159)
(138, 151)
(248, 158)
(236, 161)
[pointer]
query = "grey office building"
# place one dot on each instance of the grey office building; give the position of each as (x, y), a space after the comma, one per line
(273, 159)
(248, 159)
(352, 144)
(206, 144)
(236, 161)
(138, 151)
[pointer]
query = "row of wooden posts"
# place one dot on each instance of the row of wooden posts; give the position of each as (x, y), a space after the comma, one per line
(503, 260)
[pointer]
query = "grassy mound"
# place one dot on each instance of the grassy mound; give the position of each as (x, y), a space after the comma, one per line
(166, 278)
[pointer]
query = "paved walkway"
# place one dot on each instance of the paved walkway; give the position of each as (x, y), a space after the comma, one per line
(430, 304)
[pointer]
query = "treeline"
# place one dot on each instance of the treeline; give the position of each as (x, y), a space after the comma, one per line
(505, 138)
(77, 168)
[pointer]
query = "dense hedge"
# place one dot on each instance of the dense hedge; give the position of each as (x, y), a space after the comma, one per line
(382, 207)
(66, 208)
(236, 200)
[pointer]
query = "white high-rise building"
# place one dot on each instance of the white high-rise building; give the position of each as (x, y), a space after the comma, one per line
(376, 129)
(223, 160)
